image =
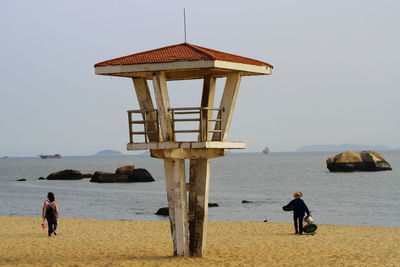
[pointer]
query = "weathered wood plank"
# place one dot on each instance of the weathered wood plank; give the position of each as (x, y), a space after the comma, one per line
(198, 205)
(228, 102)
(174, 69)
(143, 93)
(192, 204)
(145, 102)
(177, 204)
(162, 100)
(188, 153)
(207, 100)
(171, 145)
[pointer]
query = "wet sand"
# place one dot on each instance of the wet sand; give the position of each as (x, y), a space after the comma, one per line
(148, 243)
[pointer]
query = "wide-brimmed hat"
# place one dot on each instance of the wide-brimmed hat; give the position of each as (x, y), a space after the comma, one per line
(298, 195)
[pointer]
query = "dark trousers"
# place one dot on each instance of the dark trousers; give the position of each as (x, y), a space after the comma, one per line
(298, 223)
(52, 224)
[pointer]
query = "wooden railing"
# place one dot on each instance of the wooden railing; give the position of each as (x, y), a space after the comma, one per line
(209, 123)
(205, 122)
(149, 122)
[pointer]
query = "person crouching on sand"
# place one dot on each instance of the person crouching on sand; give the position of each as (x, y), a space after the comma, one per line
(299, 210)
(50, 213)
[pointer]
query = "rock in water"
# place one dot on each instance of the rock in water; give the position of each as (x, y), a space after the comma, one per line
(350, 161)
(107, 177)
(163, 211)
(128, 169)
(65, 175)
(140, 175)
(96, 177)
(374, 161)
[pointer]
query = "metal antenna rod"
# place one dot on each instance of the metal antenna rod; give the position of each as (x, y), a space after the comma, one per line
(184, 22)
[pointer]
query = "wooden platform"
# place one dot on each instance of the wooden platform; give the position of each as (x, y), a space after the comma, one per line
(172, 145)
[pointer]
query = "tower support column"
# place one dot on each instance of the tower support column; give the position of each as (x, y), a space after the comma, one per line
(188, 202)
(198, 205)
(177, 204)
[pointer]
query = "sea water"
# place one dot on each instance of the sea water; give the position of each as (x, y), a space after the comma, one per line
(269, 181)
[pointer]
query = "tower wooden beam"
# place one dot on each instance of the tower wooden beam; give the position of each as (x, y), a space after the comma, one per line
(228, 102)
(207, 100)
(162, 100)
(145, 102)
(198, 205)
(188, 153)
(177, 204)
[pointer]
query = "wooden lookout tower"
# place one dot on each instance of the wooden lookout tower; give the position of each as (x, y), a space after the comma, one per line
(158, 126)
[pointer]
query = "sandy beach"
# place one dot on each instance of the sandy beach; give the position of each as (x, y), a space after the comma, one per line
(148, 243)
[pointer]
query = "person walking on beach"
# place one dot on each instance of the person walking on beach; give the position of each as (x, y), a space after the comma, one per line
(50, 213)
(299, 210)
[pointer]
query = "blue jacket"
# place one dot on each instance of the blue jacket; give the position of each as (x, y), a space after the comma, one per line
(299, 207)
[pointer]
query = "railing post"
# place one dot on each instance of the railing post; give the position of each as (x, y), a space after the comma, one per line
(146, 137)
(219, 118)
(157, 126)
(201, 134)
(204, 124)
(173, 125)
(130, 127)
(207, 120)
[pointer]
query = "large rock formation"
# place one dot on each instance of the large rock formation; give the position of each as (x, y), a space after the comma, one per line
(108, 177)
(347, 161)
(140, 175)
(350, 161)
(124, 174)
(164, 211)
(65, 175)
(374, 161)
(128, 169)
(135, 176)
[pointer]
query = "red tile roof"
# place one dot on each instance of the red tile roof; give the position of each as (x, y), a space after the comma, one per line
(179, 52)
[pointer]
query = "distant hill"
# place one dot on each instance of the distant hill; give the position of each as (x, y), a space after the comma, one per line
(342, 147)
(108, 153)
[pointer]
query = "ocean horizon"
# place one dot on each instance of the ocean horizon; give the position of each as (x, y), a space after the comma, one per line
(268, 181)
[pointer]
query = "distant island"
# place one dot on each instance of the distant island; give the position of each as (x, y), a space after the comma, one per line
(342, 147)
(108, 153)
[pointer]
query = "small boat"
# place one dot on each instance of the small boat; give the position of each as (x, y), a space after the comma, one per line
(55, 156)
(266, 150)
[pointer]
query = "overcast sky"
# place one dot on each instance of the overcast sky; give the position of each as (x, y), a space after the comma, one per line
(335, 78)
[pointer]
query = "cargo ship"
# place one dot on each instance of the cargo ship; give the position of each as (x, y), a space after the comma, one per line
(55, 156)
(266, 150)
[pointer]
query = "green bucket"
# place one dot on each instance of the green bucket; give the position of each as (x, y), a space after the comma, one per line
(310, 228)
